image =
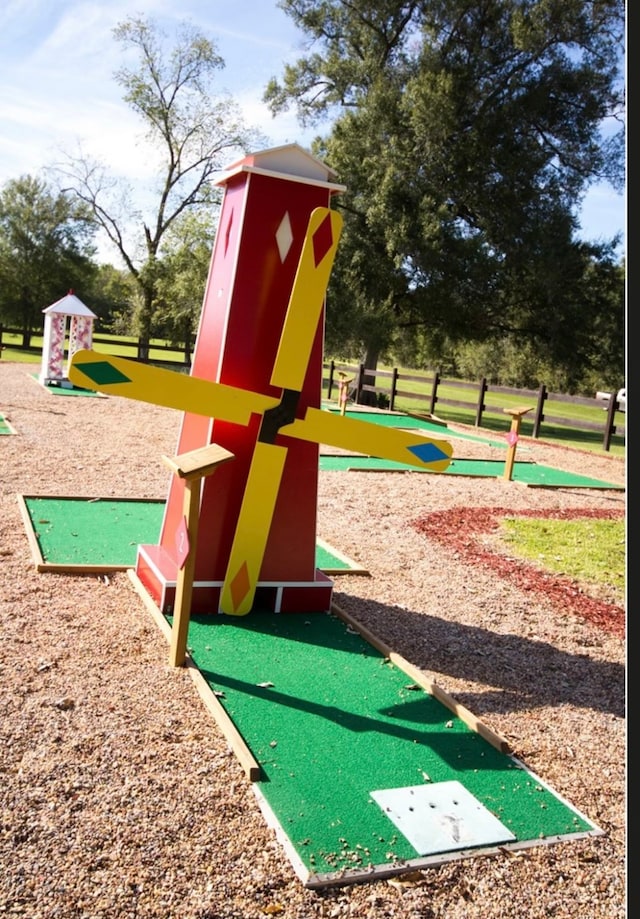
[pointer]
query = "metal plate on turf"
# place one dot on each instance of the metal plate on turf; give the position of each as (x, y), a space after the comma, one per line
(441, 817)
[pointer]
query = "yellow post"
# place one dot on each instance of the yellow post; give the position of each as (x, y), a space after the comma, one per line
(512, 436)
(192, 467)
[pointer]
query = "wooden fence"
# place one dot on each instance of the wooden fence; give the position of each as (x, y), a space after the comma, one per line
(387, 386)
(155, 347)
(388, 382)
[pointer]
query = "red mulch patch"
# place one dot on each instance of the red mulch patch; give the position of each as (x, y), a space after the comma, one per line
(462, 530)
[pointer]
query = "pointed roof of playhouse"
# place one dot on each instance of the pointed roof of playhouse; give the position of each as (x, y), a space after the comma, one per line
(290, 160)
(70, 306)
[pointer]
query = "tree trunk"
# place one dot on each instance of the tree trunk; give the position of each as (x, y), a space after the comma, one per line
(187, 341)
(370, 363)
(145, 319)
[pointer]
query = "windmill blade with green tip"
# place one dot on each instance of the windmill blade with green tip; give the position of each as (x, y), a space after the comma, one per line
(118, 376)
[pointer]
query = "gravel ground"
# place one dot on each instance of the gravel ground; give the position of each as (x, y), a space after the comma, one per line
(120, 797)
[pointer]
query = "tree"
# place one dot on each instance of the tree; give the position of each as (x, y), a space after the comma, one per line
(186, 255)
(604, 294)
(194, 133)
(46, 249)
(466, 135)
(112, 294)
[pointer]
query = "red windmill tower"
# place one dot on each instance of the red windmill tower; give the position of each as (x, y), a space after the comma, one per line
(255, 390)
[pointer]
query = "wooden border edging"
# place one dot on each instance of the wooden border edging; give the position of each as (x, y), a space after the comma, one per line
(420, 677)
(234, 738)
(31, 536)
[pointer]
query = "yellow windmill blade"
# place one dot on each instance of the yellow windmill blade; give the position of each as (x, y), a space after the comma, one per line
(119, 376)
(374, 440)
(307, 298)
(252, 531)
(289, 370)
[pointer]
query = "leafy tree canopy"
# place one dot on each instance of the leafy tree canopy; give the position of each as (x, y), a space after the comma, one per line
(46, 249)
(466, 135)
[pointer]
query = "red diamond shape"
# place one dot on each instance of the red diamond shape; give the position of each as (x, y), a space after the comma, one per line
(322, 240)
(240, 585)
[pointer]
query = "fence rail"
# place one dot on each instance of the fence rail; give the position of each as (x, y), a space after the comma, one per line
(154, 346)
(389, 390)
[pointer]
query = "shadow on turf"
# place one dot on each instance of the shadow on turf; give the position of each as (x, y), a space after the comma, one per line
(424, 714)
(511, 662)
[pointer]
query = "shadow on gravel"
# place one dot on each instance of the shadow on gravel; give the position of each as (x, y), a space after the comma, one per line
(514, 663)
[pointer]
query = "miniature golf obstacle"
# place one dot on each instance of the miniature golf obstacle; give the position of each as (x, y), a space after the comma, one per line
(52, 369)
(268, 199)
(255, 389)
(513, 436)
(192, 467)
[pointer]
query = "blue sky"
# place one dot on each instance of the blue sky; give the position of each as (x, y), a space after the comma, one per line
(57, 91)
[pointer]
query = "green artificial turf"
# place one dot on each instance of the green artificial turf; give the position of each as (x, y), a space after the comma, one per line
(5, 427)
(529, 473)
(330, 720)
(90, 532)
(68, 389)
(93, 531)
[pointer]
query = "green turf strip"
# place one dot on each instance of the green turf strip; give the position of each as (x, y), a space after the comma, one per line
(107, 532)
(330, 720)
(5, 427)
(407, 422)
(527, 473)
(68, 389)
(89, 531)
(328, 561)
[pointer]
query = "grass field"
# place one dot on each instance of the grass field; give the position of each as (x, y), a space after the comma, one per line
(590, 551)
(120, 345)
(498, 421)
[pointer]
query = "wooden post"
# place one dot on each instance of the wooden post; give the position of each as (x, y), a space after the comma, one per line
(481, 406)
(192, 467)
(394, 388)
(512, 436)
(332, 368)
(343, 390)
(542, 397)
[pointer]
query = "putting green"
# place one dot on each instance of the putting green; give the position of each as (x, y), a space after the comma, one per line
(5, 427)
(363, 771)
(104, 533)
(331, 720)
(531, 474)
(66, 388)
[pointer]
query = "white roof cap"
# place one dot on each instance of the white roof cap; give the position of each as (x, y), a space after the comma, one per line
(287, 161)
(70, 306)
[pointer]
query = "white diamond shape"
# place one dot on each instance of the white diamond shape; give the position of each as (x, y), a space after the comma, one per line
(284, 237)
